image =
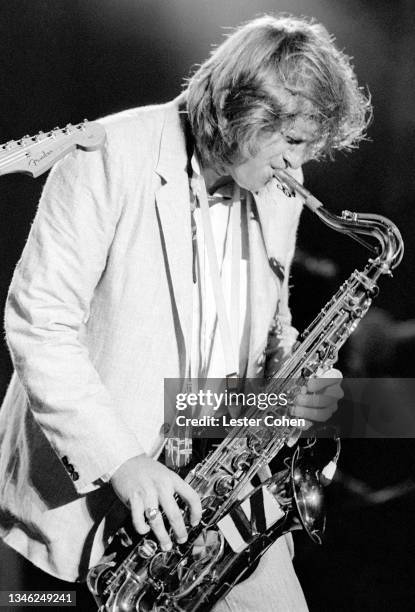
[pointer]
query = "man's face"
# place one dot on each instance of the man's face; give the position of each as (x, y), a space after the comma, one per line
(289, 148)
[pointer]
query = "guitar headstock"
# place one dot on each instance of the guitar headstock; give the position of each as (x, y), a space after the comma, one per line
(36, 154)
(87, 136)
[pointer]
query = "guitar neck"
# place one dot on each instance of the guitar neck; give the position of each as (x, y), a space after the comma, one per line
(34, 155)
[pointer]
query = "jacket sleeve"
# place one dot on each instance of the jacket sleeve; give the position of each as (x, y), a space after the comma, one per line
(48, 305)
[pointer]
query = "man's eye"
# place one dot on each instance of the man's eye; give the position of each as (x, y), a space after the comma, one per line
(293, 141)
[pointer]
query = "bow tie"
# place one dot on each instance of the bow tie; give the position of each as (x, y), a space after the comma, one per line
(219, 198)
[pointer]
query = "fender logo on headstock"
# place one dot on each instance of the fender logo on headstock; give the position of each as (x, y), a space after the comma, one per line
(33, 161)
(36, 154)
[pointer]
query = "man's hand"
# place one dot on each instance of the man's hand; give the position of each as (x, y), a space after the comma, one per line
(143, 484)
(318, 399)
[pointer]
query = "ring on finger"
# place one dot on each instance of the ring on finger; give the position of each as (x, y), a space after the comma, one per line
(151, 514)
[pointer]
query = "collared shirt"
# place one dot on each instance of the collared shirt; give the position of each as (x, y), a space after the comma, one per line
(207, 357)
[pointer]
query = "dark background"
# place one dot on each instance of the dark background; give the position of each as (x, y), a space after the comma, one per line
(64, 60)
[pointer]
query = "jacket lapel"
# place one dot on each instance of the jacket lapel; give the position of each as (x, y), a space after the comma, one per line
(269, 236)
(262, 287)
(173, 206)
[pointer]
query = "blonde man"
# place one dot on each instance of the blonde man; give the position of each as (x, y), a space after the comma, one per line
(112, 295)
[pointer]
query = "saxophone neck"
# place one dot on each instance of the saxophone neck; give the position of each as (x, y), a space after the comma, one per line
(389, 248)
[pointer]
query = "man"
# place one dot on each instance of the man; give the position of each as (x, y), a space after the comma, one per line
(113, 294)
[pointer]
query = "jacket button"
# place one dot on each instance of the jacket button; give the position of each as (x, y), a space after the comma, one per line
(74, 476)
(165, 429)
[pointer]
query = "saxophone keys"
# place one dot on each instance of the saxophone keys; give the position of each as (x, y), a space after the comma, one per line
(224, 484)
(147, 549)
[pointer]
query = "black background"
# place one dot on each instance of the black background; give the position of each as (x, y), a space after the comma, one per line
(64, 60)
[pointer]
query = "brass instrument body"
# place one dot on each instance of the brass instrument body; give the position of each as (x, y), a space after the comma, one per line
(135, 575)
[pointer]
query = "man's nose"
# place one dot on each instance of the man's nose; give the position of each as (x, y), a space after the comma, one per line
(294, 157)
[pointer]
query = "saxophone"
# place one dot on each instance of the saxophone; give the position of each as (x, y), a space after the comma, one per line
(136, 576)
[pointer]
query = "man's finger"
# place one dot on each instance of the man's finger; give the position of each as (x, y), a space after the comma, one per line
(313, 414)
(329, 378)
(190, 496)
(173, 514)
(137, 513)
(319, 400)
(151, 502)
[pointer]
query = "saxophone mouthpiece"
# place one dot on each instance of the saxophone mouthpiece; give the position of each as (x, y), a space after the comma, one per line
(309, 199)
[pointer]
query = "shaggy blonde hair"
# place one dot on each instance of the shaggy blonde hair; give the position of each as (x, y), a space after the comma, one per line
(266, 74)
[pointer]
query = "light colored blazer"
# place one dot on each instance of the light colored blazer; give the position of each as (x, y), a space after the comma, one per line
(98, 313)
